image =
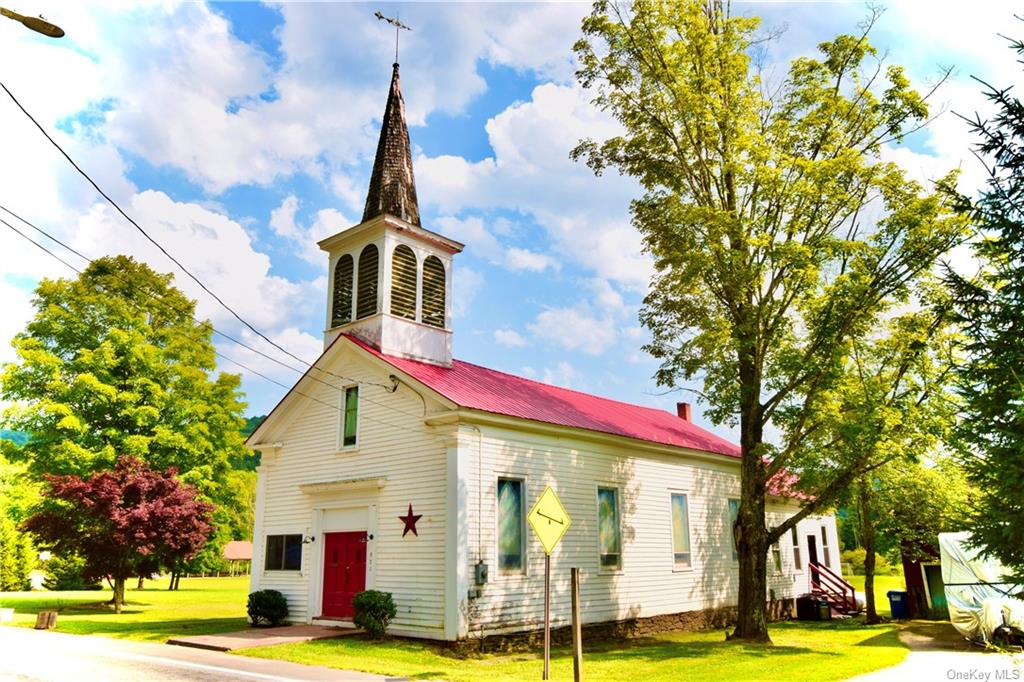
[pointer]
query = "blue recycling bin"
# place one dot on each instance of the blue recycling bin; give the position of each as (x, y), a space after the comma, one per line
(899, 604)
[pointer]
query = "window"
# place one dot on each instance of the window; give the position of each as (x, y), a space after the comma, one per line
(680, 531)
(433, 292)
(284, 553)
(734, 512)
(797, 561)
(350, 417)
(341, 303)
(403, 282)
(777, 557)
(366, 303)
(511, 532)
(608, 531)
(824, 547)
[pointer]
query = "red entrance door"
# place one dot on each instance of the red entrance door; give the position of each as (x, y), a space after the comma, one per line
(344, 572)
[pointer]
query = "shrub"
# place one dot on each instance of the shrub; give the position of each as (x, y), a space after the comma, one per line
(67, 572)
(267, 606)
(374, 611)
(855, 558)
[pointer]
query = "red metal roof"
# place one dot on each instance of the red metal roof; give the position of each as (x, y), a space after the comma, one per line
(488, 390)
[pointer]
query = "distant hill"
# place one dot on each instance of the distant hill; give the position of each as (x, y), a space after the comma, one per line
(251, 423)
(250, 461)
(19, 437)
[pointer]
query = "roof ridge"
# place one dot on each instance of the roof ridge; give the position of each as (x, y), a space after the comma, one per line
(564, 388)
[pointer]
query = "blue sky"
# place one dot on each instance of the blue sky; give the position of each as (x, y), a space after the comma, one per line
(240, 133)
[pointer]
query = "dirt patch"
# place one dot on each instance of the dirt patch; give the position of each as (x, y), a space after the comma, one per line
(923, 635)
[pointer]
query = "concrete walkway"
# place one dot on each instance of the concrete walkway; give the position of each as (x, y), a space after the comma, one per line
(253, 637)
(938, 652)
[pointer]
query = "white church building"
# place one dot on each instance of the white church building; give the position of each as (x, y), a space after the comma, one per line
(392, 466)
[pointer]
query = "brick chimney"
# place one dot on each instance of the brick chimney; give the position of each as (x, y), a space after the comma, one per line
(683, 411)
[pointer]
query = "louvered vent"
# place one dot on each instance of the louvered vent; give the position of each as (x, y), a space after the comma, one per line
(366, 302)
(433, 292)
(403, 282)
(341, 304)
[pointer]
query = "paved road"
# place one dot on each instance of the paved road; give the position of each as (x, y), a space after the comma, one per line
(30, 655)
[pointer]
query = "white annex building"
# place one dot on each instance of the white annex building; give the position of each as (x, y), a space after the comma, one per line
(391, 466)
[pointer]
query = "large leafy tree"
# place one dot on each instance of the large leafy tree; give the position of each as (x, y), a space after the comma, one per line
(891, 409)
(124, 522)
(779, 234)
(114, 363)
(992, 313)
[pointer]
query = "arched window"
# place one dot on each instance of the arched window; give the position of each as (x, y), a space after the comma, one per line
(341, 303)
(433, 292)
(403, 282)
(366, 301)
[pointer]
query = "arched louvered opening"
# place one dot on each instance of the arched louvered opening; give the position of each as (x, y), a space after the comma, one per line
(341, 303)
(403, 282)
(366, 301)
(433, 292)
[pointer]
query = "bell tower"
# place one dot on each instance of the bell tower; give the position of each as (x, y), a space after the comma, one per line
(390, 280)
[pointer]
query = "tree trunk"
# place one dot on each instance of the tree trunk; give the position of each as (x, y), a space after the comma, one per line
(750, 531)
(118, 594)
(177, 581)
(867, 534)
(139, 586)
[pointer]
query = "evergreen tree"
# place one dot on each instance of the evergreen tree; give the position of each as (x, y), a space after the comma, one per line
(992, 313)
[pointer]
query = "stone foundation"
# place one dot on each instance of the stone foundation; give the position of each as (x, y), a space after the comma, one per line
(706, 619)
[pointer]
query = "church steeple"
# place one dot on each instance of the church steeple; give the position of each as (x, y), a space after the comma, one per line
(392, 186)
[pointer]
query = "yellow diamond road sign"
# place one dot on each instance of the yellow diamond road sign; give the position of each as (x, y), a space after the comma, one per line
(549, 520)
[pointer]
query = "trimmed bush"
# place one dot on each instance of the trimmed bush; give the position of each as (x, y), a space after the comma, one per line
(374, 611)
(267, 606)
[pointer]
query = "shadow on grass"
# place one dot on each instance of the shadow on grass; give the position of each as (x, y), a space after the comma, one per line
(155, 630)
(889, 638)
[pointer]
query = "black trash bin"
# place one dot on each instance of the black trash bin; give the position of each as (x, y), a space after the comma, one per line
(812, 607)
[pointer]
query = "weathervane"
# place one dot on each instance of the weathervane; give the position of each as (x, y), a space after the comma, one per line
(398, 26)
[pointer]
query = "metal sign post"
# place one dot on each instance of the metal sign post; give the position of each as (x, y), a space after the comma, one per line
(549, 522)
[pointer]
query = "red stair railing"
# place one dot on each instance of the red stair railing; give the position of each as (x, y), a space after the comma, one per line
(832, 585)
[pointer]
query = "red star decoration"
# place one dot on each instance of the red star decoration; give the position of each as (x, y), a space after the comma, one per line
(410, 520)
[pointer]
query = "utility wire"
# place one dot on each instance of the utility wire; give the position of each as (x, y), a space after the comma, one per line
(159, 299)
(146, 234)
(153, 294)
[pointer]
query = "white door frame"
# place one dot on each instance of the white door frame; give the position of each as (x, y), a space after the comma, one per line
(321, 528)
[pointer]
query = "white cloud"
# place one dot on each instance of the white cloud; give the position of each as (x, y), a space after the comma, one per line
(562, 374)
(466, 284)
(523, 259)
(480, 240)
(575, 329)
(509, 338)
(585, 216)
(328, 221)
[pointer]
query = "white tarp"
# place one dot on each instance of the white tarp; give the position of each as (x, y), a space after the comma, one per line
(976, 589)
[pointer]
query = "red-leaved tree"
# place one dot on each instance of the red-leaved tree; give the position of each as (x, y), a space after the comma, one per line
(123, 522)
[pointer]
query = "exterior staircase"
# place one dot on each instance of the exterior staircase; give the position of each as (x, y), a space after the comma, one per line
(839, 594)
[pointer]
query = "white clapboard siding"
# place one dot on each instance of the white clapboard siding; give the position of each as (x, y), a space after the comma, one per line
(647, 584)
(393, 443)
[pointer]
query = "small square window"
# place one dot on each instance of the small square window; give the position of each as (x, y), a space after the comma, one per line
(284, 553)
(608, 528)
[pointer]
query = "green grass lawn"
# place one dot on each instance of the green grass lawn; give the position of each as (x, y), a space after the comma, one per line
(883, 583)
(818, 651)
(200, 606)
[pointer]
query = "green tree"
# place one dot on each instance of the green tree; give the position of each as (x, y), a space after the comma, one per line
(114, 363)
(17, 553)
(892, 407)
(992, 313)
(779, 235)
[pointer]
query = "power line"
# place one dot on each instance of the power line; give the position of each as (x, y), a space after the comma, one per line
(146, 234)
(155, 297)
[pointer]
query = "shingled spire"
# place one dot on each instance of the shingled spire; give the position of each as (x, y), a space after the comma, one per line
(392, 187)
